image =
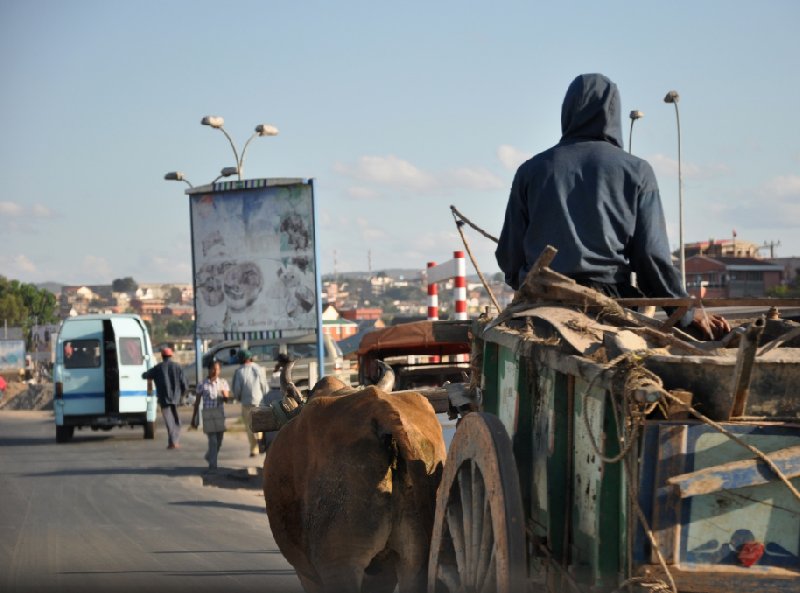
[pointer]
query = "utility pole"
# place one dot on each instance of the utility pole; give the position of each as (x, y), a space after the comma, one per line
(772, 245)
(369, 262)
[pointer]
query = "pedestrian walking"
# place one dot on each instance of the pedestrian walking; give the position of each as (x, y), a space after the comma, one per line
(249, 387)
(212, 394)
(170, 386)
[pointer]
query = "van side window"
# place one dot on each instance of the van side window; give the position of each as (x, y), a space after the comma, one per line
(301, 351)
(82, 354)
(265, 352)
(130, 352)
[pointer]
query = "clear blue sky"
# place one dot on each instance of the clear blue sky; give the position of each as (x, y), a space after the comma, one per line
(397, 110)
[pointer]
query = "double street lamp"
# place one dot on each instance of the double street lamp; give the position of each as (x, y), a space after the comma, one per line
(218, 123)
(673, 97)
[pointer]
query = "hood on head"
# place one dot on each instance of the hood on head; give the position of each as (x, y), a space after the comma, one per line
(591, 110)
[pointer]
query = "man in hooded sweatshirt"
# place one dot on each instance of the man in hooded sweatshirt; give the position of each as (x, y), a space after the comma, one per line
(598, 205)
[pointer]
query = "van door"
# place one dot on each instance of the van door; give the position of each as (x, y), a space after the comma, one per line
(79, 363)
(133, 352)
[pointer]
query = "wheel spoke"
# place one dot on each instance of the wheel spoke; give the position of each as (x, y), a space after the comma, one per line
(489, 584)
(456, 527)
(486, 554)
(478, 499)
(448, 575)
(465, 481)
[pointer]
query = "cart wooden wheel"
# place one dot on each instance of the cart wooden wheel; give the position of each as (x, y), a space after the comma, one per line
(478, 541)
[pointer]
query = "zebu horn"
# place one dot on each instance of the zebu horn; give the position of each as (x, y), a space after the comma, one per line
(386, 381)
(288, 388)
(286, 376)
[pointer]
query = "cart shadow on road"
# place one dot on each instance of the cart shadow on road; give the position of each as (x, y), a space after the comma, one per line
(217, 504)
(185, 573)
(30, 441)
(230, 478)
(173, 472)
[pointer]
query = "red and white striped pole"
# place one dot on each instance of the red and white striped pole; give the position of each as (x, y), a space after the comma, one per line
(460, 285)
(433, 296)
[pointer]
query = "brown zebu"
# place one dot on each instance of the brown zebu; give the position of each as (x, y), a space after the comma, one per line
(350, 488)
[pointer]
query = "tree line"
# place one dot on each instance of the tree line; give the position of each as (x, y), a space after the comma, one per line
(24, 305)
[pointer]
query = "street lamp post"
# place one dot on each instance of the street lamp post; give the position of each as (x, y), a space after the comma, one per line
(634, 116)
(673, 97)
(218, 123)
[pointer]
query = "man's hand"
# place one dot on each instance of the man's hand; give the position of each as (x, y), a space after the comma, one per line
(708, 326)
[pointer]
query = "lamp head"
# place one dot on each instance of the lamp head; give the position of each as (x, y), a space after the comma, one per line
(672, 97)
(266, 130)
(636, 115)
(228, 171)
(213, 120)
(174, 176)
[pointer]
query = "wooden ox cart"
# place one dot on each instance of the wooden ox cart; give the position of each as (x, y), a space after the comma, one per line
(612, 452)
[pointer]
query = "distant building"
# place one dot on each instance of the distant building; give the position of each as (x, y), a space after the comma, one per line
(730, 277)
(720, 248)
(148, 308)
(791, 268)
(179, 310)
(359, 313)
(336, 326)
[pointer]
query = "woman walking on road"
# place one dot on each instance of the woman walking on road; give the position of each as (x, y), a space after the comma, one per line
(212, 393)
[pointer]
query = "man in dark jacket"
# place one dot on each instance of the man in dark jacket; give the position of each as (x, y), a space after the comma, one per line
(598, 205)
(170, 386)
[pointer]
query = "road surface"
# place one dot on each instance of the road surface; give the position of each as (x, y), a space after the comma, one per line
(112, 512)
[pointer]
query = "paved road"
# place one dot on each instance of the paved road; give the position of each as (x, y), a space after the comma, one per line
(112, 512)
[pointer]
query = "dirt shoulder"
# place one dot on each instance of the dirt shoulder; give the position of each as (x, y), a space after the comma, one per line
(21, 396)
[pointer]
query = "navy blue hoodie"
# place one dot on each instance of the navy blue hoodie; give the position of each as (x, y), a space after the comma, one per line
(594, 202)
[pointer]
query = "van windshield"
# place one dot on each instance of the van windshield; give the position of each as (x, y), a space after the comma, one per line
(81, 354)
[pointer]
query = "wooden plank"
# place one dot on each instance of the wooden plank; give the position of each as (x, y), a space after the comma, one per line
(745, 357)
(666, 507)
(737, 474)
(725, 579)
(716, 302)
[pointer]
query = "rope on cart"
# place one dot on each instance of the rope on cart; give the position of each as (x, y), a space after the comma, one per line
(636, 378)
(639, 377)
(654, 585)
(755, 451)
(460, 221)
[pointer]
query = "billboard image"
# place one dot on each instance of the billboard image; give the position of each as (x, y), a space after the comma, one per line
(254, 259)
(12, 355)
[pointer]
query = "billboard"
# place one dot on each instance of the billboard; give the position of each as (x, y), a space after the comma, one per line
(253, 252)
(43, 343)
(12, 355)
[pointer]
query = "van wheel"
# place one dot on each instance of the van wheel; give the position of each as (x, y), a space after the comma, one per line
(64, 433)
(149, 430)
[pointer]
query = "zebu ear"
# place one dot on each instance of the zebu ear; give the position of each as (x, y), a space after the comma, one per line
(386, 381)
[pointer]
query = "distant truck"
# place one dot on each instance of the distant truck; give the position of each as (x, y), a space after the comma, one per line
(98, 375)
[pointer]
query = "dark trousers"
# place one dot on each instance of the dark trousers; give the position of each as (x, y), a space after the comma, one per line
(173, 423)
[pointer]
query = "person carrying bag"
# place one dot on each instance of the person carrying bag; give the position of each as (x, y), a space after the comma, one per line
(212, 394)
